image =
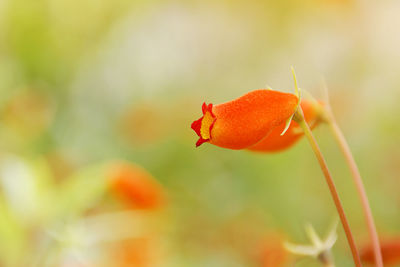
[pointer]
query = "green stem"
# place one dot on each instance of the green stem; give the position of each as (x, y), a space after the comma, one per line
(360, 188)
(299, 118)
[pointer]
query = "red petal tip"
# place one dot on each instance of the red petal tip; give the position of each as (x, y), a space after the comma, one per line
(204, 108)
(201, 141)
(196, 125)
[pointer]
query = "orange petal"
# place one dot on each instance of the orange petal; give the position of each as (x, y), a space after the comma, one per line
(135, 186)
(275, 142)
(244, 121)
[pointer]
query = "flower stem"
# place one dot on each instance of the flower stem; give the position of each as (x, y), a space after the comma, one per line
(359, 185)
(299, 118)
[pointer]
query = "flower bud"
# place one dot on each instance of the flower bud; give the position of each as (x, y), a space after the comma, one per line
(245, 121)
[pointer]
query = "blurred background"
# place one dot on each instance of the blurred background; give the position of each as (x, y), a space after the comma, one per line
(93, 92)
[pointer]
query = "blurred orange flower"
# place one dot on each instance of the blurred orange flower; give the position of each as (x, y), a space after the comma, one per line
(135, 186)
(273, 253)
(390, 253)
(243, 122)
(276, 142)
(133, 252)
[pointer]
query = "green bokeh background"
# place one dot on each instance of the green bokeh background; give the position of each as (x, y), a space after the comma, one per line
(86, 82)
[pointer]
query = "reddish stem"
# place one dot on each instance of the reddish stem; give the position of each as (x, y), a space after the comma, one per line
(360, 188)
(299, 118)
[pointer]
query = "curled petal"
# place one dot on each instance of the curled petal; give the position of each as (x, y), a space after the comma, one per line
(204, 125)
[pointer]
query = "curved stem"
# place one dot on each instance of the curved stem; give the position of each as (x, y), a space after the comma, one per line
(299, 118)
(360, 188)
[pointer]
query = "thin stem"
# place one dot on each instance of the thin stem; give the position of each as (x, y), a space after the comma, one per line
(299, 118)
(360, 188)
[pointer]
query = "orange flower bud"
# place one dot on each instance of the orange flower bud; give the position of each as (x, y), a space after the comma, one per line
(135, 186)
(390, 253)
(243, 122)
(275, 142)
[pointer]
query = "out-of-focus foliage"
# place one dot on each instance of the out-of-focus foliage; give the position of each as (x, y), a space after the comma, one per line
(85, 83)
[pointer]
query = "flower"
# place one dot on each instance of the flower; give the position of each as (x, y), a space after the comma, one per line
(275, 141)
(245, 121)
(133, 252)
(135, 186)
(273, 253)
(390, 252)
